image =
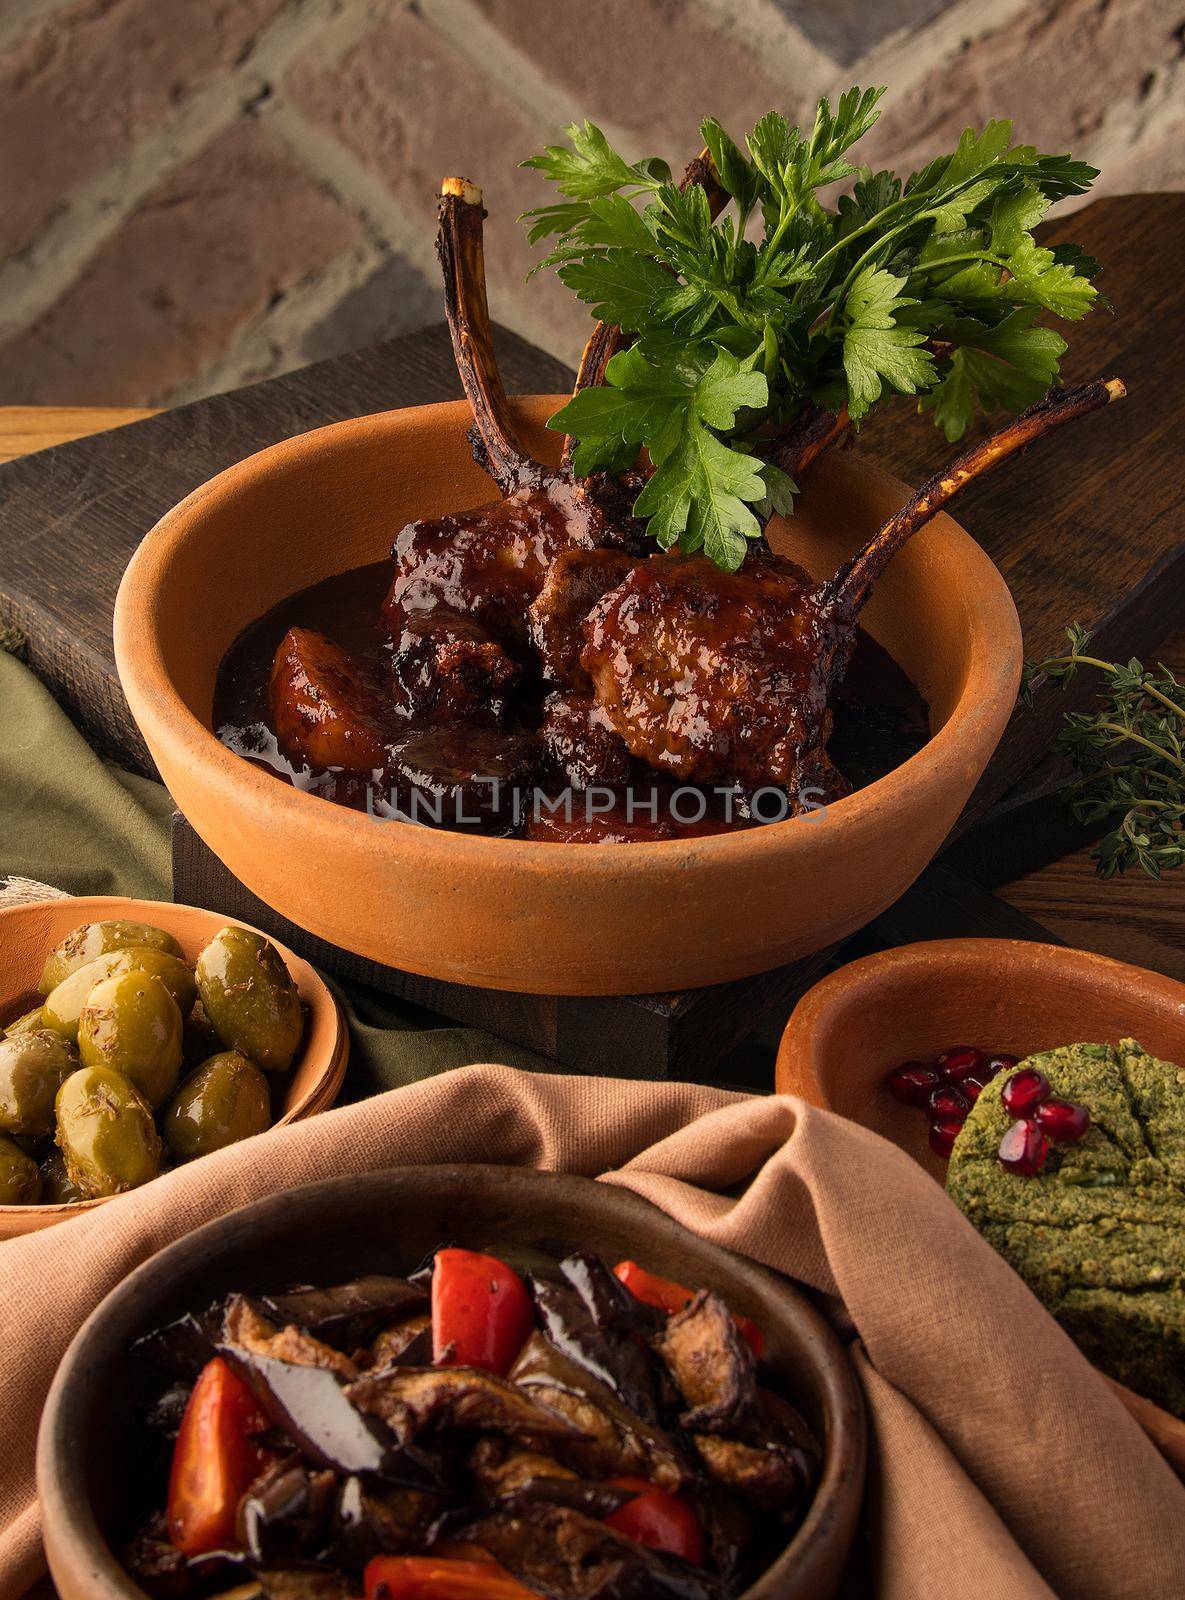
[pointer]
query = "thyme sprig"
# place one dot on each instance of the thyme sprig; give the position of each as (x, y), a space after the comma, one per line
(1129, 755)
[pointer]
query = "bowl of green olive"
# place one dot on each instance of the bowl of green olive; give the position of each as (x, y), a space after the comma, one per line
(135, 1035)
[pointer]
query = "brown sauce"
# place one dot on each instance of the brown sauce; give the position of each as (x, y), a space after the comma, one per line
(879, 721)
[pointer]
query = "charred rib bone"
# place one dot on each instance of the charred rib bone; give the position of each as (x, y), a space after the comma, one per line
(847, 593)
(459, 244)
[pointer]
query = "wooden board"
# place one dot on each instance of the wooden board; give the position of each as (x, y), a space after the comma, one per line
(1088, 527)
(24, 429)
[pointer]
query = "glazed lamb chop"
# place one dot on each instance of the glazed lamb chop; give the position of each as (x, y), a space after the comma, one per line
(458, 603)
(718, 676)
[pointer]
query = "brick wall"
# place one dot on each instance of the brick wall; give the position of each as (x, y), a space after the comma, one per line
(198, 193)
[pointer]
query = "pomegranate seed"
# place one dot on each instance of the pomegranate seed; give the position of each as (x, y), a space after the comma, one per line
(1062, 1120)
(958, 1061)
(1023, 1149)
(1024, 1092)
(973, 1085)
(1000, 1063)
(912, 1083)
(946, 1101)
(943, 1133)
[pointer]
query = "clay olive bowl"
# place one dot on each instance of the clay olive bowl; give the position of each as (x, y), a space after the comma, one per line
(29, 932)
(509, 914)
(388, 1222)
(908, 1004)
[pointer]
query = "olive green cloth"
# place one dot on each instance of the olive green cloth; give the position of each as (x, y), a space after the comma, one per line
(73, 821)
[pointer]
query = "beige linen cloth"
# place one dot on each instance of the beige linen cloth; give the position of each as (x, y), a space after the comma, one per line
(1002, 1466)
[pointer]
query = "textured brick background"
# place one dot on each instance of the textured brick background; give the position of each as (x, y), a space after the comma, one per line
(198, 193)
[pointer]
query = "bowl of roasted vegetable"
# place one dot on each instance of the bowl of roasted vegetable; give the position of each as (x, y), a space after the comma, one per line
(451, 1382)
(542, 685)
(136, 1035)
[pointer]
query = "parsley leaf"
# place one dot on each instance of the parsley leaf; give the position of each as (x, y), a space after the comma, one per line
(875, 348)
(1010, 365)
(929, 286)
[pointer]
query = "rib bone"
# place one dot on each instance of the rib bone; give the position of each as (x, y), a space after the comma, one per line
(496, 443)
(846, 593)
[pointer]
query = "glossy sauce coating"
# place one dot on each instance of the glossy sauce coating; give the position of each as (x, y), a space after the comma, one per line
(713, 675)
(527, 733)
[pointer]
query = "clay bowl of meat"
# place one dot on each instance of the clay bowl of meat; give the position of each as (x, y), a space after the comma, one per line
(911, 1021)
(508, 747)
(480, 1402)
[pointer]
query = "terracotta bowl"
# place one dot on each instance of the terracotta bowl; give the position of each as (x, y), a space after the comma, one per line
(389, 1221)
(848, 1031)
(508, 914)
(29, 932)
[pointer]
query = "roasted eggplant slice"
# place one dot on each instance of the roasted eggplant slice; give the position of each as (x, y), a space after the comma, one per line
(507, 1475)
(348, 1314)
(712, 1365)
(564, 1554)
(286, 1512)
(372, 1519)
(617, 1442)
(419, 1401)
(595, 1322)
(771, 1477)
(182, 1347)
(311, 1406)
(247, 1330)
(311, 1582)
(406, 1344)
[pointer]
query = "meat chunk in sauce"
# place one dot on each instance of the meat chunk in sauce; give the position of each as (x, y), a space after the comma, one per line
(712, 675)
(448, 665)
(489, 564)
(576, 581)
(326, 709)
(580, 744)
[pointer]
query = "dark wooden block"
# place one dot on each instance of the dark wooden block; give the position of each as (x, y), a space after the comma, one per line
(679, 1035)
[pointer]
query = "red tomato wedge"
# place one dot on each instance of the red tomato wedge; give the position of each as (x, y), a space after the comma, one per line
(481, 1312)
(660, 1520)
(440, 1578)
(215, 1460)
(669, 1296)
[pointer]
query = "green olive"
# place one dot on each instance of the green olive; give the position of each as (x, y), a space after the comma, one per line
(27, 1022)
(106, 1132)
(93, 939)
(63, 1007)
(225, 1100)
(250, 997)
(56, 1188)
(32, 1069)
(131, 1023)
(20, 1180)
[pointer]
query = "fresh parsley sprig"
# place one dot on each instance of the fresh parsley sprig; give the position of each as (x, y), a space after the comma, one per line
(1129, 754)
(932, 286)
